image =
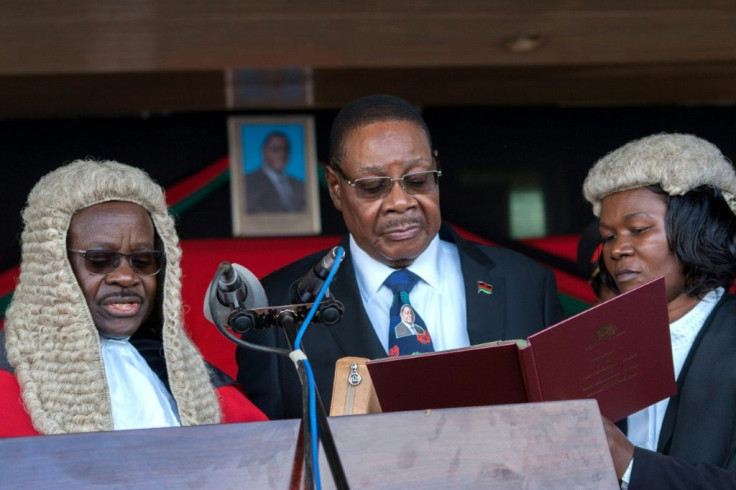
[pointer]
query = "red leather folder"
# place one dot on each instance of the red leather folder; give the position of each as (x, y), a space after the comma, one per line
(618, 352)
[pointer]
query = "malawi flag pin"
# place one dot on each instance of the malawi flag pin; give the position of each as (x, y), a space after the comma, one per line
(485, 287)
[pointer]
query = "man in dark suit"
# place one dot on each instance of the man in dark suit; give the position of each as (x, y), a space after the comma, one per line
(269, 189)
(383, 177)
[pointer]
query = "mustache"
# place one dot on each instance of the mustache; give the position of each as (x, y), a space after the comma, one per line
(394, 224)
(122, 295)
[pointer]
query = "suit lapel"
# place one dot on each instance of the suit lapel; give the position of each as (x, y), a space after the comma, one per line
(670, 416)
(485, 312)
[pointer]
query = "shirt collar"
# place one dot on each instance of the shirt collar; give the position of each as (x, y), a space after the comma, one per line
(687, 327)
(371, 273)
(105, 337)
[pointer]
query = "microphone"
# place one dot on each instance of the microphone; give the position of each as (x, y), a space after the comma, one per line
(306, 289)
(236, 287)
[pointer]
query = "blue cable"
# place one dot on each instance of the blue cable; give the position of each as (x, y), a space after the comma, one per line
(313, 423)
(310, 374)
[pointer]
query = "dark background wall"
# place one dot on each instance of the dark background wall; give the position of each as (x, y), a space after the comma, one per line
(483, 151)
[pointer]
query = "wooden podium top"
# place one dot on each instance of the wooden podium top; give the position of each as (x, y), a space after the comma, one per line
(535, 445)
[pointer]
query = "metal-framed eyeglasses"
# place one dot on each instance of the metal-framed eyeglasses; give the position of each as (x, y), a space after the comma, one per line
(371, 188)
(103, 262)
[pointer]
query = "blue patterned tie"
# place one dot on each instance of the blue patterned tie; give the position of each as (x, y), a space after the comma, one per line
(407, 332)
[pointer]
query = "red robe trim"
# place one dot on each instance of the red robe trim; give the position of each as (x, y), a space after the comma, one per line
(15, 421)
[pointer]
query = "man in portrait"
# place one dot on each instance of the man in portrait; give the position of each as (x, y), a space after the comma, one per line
(269, 189)
(407, 326)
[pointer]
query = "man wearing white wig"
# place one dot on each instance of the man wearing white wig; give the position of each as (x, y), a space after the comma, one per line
(94, 339)
(666, 205)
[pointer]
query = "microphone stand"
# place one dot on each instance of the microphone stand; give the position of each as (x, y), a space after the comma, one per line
(287, 321)
(288, 317)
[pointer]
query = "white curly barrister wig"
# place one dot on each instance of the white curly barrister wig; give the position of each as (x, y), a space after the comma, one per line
(51, 340)
(677, 162)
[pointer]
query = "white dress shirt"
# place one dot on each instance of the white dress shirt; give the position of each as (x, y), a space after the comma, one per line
(438, 298)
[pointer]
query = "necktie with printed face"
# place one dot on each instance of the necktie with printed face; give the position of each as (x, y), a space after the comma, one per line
(408, 333)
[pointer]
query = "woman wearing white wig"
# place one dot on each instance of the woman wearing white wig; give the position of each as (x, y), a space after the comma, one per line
(666, 206)
(94, 338)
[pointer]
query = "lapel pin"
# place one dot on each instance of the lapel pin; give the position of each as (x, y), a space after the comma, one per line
(485, 288)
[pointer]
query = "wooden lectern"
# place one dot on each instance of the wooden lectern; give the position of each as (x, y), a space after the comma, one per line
(535, 445)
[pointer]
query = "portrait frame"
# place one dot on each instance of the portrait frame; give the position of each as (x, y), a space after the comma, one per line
(256, 208)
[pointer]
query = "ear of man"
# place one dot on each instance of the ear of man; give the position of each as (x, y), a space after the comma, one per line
(333, 185)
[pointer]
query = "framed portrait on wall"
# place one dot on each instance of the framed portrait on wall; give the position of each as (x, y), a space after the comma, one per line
(273, 176)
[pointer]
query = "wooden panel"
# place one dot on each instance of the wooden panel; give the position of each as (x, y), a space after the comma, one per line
(62, 58)
(161, 92)
(87, 36)
(534, 85)
(101, 94)
(550, 445)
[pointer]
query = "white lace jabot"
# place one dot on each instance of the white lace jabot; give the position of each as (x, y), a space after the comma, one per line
(139, 398)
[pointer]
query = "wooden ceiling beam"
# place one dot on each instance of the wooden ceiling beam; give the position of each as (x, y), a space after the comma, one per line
(163, 92)
(103, 36)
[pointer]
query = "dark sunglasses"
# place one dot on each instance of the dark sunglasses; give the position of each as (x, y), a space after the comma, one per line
(103, 262)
